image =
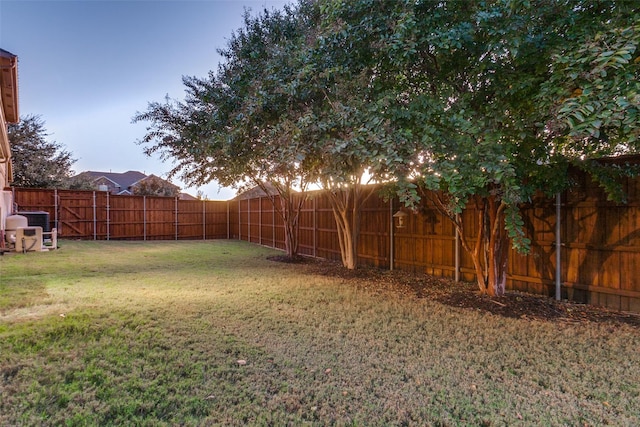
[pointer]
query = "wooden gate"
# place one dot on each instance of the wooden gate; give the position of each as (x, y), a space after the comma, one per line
(76, 213)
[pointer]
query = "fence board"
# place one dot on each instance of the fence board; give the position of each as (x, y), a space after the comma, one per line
(125, 218)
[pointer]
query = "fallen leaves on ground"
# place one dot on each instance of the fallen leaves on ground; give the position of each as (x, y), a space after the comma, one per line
(466, 295)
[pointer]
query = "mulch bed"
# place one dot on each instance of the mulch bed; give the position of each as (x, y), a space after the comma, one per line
(465, 295)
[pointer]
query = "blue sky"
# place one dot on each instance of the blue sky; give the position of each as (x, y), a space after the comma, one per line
(86, 67)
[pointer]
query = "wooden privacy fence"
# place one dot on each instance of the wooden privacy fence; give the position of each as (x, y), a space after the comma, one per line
(600, 240)
(99, 215)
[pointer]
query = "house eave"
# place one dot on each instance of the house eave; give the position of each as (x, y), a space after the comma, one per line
(9, 86)
(8, 109)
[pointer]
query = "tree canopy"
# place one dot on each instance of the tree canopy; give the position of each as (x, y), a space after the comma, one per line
(37, 161)
(155, 186)
(480, 103)
(237, 125)
(460, 103)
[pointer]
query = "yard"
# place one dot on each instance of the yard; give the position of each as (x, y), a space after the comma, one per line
(219, 333)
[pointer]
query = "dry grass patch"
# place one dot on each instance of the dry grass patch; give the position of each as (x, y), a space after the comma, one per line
(213, 333)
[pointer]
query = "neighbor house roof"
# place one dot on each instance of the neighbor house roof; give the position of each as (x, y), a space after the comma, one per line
(122, 180)
(123, 183)
(119, 183)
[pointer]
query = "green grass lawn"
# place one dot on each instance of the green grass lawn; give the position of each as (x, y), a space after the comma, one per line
(213, 333)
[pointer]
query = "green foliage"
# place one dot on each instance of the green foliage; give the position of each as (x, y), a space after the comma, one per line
(155, 186)
(81, 182)
(237, 125)
(37, 162)
(592, 96)
(450, 96)
(609, 173)
(514, 225)
(342, 71)
(458, 92)
(597, 93)
(492, 99)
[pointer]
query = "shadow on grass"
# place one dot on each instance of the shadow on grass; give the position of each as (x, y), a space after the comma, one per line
(466, 296)
(523, 306)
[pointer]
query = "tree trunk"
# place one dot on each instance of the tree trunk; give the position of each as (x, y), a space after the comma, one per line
(347, 237)
(343, 212)
(498, 250)
(290, 216)
(490, 250)
(288, 208)
(347, 205)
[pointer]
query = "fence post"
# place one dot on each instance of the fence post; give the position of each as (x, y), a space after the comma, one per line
(239, 220)
(144, 218)
(108, 217)
(391, 236)
(55, 208)
(94, 217)
(315, 227)
(204, 220)
(176, 215)
(558, 248)
(457, 256)
(260, 220)
(228, 222)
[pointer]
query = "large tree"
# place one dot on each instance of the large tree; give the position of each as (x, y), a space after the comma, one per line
(37, 161)
(462, 115)
(343, 76)
(239, 125)
(488, 139)
(470, 84)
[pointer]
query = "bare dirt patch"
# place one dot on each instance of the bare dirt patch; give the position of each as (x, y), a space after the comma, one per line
(33, 312)
(290, 260)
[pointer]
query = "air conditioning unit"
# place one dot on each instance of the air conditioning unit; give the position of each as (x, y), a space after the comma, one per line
(13, 222)
(29, 239)
(37, 219)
